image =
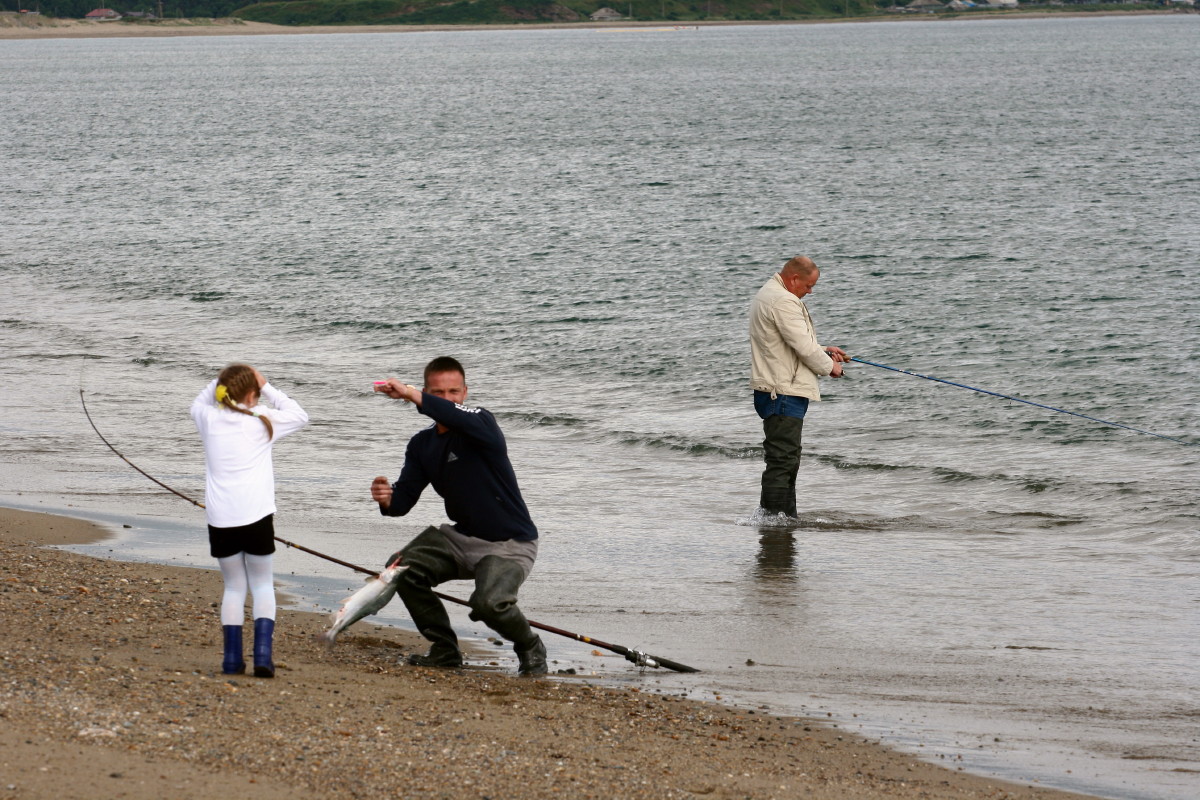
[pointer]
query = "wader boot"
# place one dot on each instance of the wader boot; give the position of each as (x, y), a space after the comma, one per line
(434, 624)
(532, 658)
(429, 563)
(233, 664)
(264, 632)
(781, 451)
(432, 621)
(494, 602)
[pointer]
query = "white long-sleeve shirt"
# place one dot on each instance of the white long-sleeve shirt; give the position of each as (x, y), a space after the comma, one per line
(240, 476)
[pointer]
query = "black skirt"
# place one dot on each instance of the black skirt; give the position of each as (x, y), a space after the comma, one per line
(257, 539)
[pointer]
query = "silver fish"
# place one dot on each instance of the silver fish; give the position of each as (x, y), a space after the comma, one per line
(366, 601)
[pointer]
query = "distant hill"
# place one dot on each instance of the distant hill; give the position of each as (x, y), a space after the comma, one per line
(483, 12)
(506, 12)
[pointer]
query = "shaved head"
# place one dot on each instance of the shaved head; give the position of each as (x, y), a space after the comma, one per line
(799, 276)
(800, 266)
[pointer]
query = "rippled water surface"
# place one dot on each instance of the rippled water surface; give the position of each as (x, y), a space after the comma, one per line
(582, 218)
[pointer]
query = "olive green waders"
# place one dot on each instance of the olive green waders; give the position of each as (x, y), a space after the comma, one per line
(431, 562)
(781, 451)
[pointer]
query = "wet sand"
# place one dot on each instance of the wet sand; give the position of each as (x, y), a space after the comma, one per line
(110, 686)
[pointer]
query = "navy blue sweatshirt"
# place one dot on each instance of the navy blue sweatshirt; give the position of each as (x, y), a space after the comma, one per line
(468, 466)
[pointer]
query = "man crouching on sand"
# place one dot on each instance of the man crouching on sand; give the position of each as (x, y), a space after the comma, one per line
(492, 539)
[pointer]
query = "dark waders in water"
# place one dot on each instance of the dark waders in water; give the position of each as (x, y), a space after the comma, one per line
(781, 451)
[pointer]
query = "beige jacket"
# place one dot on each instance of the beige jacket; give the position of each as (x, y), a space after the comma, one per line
(784, 355)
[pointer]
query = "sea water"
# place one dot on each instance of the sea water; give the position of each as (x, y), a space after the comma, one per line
(582, 217)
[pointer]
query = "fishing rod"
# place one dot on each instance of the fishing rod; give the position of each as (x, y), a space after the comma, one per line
(636, 656)
(126, 460)
(1019, 400)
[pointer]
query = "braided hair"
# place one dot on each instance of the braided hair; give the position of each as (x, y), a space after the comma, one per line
(238, 381)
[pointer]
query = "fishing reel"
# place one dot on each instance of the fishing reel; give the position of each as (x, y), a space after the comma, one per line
(643, 660)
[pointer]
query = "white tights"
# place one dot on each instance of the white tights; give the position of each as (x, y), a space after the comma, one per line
(244, 571)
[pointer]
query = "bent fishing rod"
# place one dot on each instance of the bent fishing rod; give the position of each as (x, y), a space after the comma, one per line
(126, 460)
(1019, 400)
(638, 657)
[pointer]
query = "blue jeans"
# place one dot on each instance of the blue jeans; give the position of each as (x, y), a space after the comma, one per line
(785, 405)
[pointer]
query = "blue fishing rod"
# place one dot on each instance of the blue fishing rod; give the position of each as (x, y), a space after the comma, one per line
(1019, 400)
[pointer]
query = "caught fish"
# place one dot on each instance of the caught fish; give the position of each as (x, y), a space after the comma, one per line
(366, 601)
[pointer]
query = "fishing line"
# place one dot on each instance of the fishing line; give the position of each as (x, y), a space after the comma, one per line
(1019, 400)
(638, 657)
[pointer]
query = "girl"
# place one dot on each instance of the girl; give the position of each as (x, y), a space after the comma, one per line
(238, 434)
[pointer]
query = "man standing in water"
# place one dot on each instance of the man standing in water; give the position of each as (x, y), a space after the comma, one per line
(491, 539)
(786, 362)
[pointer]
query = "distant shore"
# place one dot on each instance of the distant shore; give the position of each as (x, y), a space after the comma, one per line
(110, 686)
(29, 27)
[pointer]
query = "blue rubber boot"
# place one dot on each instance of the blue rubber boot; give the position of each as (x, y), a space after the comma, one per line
(264, 631)
(233, 664)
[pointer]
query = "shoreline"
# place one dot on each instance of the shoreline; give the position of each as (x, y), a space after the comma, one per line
(82, 29)
(110, 681)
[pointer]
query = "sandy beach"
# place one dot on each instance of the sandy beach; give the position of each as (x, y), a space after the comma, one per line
(110, 686)
(14, 26)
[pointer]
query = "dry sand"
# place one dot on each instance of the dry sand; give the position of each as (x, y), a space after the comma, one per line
(110, 686)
